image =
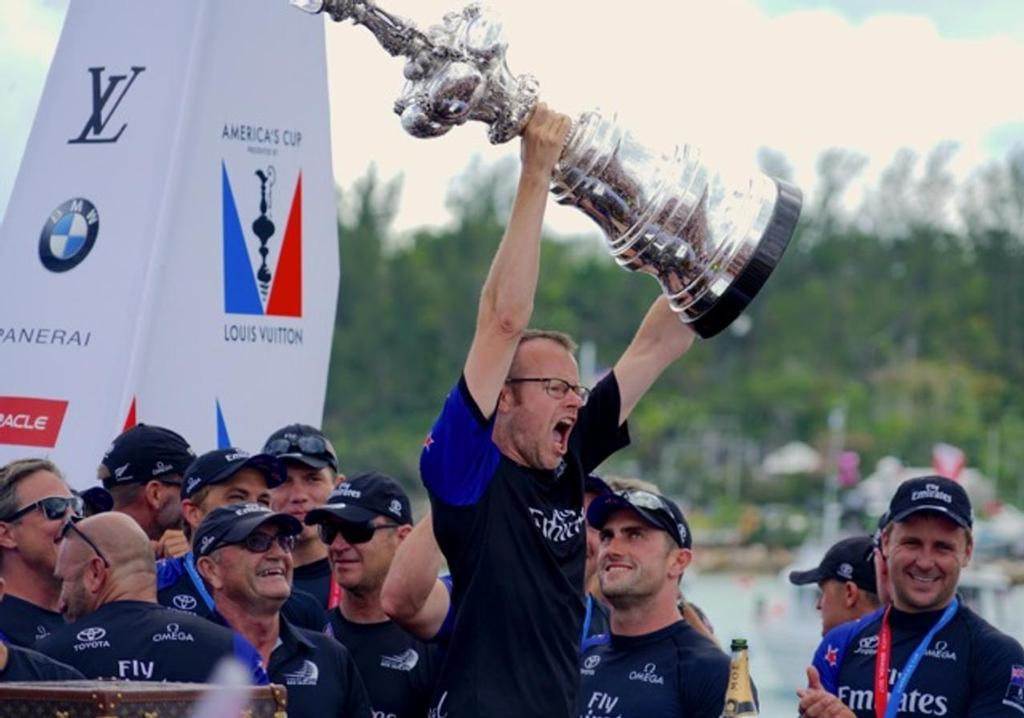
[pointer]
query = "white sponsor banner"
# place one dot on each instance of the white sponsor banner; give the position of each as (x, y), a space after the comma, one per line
(171, 145)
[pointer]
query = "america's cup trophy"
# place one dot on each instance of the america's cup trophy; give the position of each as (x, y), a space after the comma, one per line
(709, 244)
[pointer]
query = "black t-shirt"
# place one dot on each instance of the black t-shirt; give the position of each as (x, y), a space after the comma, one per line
(320, 676)
(398, 670)
(24, 664)
(315, 579)
(674, 671)
(515, 543)
(177, 589)
(969, 669)
(23, 623)
(140, 641)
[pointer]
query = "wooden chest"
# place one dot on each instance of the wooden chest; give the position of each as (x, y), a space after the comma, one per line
(126, 699)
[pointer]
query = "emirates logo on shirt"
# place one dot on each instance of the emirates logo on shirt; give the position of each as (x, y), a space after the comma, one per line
(558, 526)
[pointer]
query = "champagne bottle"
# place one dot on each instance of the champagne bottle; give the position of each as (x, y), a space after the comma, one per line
(739, 695)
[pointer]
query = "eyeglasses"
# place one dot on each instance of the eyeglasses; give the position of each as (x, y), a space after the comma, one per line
(555, 387)
(307, 445)
(53, 508)
(352, 533)
(260, 542)
(70, 526)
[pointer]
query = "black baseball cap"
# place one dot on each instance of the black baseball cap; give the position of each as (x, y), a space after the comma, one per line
(657, 510)
(363, 498)
(233, 523)
(97, 500)
(303, 443)
(932, 493)
(845, 561)
(144, 453)
(594, 484)
(216, 466)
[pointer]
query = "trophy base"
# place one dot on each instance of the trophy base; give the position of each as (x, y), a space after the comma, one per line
(749, 281)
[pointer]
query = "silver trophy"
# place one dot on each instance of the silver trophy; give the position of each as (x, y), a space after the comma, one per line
(711, 245)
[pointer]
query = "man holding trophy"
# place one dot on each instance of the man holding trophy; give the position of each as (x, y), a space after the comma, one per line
(504, 466)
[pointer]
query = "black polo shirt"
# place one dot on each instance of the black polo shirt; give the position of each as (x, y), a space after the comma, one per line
(969, 669)
(177, 589)
(515, 542)
(23, 623)
(320, 676)
(398, 670)
(315, 579)
(141, 641)
(24, 664)
(674, 671)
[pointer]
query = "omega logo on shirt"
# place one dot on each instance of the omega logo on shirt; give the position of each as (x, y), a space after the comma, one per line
(560, 526)
(647, 675)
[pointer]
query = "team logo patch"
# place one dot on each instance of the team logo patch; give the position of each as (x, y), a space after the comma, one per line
(558, 526)
(591, 662)
(68, 235)
(404, 661)
(184, 602)
(1014, 697)
(845, 570)
(308, 675)
(395, 507)
(867, 646)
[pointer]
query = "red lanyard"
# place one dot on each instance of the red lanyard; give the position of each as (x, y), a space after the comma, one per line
(882, 658)
(334, 596)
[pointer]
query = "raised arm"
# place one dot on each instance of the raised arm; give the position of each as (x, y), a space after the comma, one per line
(660, 340)
(412, 594)
(506, 301)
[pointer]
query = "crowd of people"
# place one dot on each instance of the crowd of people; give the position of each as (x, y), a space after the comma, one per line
(562, 591)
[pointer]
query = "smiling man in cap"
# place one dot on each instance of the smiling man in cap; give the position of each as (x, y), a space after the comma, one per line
(937, 655)
(244, 554)
(312, 473)
(653, 663)
(215, 479)
(362, 525)
(846, 579)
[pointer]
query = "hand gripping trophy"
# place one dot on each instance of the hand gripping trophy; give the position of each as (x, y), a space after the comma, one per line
(711, 246)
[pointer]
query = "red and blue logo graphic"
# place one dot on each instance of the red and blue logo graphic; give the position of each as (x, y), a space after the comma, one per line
(274, 287)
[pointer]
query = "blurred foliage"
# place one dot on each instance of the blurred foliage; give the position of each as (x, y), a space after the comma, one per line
(909, 314)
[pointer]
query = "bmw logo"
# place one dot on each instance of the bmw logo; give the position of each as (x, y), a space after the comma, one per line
(68, 235)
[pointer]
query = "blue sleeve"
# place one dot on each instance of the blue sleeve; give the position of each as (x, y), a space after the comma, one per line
(168, 571)
(444, 633)
(828, 657)
(250, 658)
(459, 458)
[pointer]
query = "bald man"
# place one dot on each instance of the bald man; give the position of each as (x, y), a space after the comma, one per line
(117, 630)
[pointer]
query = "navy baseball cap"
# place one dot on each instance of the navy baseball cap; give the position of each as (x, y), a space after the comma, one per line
(363, 498)
(144, 453)
(594, 484)
(213, 467)
(845, 561)
(97, 500)
(234, 523)
(659, 511)
(303, 443)
(932, 493)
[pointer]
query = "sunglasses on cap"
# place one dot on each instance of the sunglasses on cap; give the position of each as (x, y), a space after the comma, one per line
(352, 533)
(307, 445)
(53, 508)
(645, 500)
(70, 527)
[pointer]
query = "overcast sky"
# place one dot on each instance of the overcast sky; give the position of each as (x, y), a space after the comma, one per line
(732, 76)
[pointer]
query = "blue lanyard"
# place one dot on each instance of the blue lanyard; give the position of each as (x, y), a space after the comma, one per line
(197, 581)
(915, 658)
(586, 622)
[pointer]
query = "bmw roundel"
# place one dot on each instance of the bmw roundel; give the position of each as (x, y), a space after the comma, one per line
(68, 235)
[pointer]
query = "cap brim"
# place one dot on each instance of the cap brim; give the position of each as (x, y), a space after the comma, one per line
(803, 578)
(310, 461)
(340, 512)
(245, 525)
(272, 469)
(935, 508)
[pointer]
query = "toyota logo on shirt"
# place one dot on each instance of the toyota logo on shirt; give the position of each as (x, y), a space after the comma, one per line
(94, 633)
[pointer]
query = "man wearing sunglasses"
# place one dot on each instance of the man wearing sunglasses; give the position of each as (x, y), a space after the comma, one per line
(143, 470)
(218, 478)
(653, 663)
(312, 473)
(504, 466)
(34, 502)
(244, 553)
(116, 629)
(362, 525)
